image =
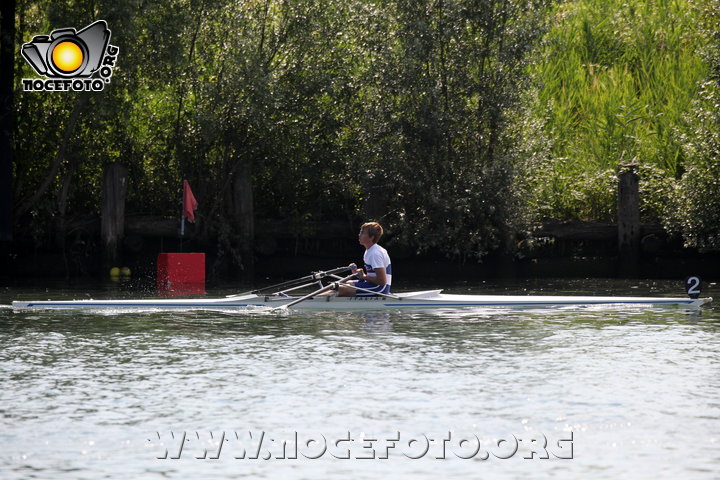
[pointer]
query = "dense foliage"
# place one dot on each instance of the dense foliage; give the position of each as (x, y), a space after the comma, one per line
(451, 121)
(628, 83)
(395, 110)
(697, 200)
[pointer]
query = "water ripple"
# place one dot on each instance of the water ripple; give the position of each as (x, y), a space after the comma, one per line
(82, 395)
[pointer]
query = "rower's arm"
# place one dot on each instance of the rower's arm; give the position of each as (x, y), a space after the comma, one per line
(380, 277)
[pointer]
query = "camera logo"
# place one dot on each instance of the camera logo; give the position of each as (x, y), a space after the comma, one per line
(69, 59)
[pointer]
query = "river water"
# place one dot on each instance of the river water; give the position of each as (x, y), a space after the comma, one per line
(586, 393)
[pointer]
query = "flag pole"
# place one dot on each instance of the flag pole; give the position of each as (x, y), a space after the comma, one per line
(188, 211)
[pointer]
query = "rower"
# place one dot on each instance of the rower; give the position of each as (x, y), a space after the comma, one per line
(377, 274)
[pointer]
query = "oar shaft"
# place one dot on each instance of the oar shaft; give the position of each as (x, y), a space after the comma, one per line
(312, 277)
(317, 292)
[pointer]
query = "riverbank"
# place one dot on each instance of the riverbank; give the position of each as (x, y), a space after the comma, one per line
(144, 266)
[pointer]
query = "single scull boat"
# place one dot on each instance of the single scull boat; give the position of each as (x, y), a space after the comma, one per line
(279, 299)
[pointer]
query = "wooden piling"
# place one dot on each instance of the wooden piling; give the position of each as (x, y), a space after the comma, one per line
(628, 218)
(112, 224)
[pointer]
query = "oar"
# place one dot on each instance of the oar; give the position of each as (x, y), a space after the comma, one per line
(312, 277)
(309, 278)
(331, 286)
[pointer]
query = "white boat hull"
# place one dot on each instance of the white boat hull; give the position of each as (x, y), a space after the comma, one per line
(410, 300)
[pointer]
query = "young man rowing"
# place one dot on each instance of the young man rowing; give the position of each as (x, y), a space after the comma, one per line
(377, 275)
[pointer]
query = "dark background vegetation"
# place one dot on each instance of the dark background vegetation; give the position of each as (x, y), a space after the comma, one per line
(460, 125)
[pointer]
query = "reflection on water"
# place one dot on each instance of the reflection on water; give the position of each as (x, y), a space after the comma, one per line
(87, 395)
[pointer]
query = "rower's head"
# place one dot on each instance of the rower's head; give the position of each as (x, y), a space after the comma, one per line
(370, 234)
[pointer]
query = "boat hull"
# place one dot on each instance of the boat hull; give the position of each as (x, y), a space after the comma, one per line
(411, 300)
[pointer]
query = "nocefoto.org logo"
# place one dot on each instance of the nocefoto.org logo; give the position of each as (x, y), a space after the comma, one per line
(69, 58)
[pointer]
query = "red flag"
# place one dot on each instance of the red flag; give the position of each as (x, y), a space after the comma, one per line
(189, 202)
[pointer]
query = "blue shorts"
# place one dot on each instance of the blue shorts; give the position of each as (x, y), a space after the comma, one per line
(370, 286)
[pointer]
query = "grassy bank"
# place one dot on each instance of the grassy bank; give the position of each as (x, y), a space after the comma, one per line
(617, 82)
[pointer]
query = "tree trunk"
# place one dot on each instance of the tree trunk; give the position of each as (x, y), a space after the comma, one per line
(244, 215)
(61, 224)
(112, 226)
(51, 176)
(375, 203)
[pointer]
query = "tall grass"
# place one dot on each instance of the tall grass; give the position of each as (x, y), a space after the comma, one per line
(616, 79)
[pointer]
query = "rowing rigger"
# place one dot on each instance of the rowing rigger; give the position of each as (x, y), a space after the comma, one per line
(277, 297)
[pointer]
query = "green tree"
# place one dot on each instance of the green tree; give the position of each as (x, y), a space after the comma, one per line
(437, 121)
(289, 110)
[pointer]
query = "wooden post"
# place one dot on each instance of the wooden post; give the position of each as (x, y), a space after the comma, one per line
(628, 217)
(112, 226)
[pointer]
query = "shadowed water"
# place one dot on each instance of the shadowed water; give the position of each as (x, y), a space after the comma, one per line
(91, 395)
